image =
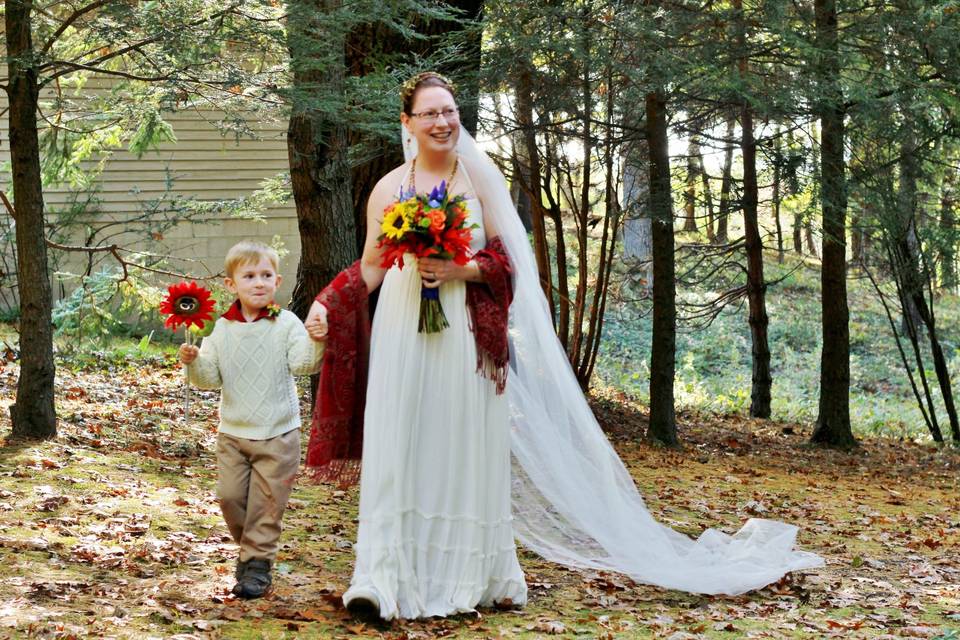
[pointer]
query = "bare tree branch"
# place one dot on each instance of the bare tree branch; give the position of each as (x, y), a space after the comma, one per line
(73, 66)
(6, 203)
(116, 251)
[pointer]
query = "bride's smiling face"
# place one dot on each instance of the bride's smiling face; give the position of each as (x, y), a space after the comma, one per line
(434, 119)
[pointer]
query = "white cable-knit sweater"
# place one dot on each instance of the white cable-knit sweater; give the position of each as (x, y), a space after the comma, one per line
(254, 363)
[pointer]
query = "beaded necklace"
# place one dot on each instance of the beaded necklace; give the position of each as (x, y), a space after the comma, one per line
(413, 173)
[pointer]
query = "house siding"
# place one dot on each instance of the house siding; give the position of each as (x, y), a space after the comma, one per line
(206, 166)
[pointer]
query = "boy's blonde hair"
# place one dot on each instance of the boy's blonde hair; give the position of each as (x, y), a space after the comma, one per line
(247, 251)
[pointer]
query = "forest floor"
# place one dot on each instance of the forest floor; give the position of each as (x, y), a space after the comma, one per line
(112, 530)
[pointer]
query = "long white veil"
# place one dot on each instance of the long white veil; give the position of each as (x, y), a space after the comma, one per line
(573, 500)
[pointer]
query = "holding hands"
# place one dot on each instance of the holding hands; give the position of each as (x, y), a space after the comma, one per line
(316, 326)
(316, 322)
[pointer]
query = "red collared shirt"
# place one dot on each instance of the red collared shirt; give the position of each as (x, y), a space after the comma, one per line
(235, 313)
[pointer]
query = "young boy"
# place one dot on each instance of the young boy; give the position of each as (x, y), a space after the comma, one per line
(253, 353)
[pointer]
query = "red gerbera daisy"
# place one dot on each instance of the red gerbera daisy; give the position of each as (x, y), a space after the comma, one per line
(187, 303)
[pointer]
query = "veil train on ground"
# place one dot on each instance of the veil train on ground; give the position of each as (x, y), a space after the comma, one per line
(573, 500)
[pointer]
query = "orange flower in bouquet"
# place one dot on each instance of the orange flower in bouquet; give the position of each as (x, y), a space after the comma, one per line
(430, 225)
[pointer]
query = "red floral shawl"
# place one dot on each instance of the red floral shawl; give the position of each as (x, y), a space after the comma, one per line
(489, 305)
(336, 433)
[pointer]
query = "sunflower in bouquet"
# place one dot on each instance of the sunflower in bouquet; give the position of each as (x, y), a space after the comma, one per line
(432, 225)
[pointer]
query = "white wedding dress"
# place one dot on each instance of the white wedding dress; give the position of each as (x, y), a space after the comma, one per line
(435, 535)
(439, 502)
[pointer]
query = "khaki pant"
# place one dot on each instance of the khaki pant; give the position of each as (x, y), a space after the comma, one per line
(254, 482)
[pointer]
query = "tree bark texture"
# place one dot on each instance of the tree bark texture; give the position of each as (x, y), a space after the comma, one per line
(663, 424)
(690, 193)
(833, 422)
(756, 287)
(33, 414)
(948, 222)
(317, 146)
(726, 181)
(534, 186)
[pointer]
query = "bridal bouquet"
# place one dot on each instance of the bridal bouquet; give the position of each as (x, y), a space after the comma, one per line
(430, 225)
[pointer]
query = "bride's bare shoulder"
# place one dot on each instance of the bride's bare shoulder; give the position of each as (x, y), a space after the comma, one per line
(386, 189)
(390, 183)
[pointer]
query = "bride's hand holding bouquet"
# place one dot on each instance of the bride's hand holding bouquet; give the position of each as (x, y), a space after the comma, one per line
(432, 227)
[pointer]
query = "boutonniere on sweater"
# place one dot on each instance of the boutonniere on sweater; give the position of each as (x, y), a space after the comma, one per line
(235, 312)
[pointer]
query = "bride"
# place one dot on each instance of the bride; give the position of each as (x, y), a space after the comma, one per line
(455, 466)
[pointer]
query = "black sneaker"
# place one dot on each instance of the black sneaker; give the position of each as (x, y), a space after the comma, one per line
(256, 579)
(238, 576)
(365, 608)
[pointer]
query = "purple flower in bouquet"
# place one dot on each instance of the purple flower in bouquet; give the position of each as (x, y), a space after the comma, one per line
(436, 197)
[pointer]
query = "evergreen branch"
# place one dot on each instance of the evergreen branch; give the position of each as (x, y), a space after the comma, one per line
(76, 15)
(894, 90)
(93, 64)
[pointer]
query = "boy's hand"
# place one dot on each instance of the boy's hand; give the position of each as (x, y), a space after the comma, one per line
(188, 353)
(316, 322)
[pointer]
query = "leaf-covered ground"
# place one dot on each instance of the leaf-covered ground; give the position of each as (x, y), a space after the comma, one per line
(112, 530)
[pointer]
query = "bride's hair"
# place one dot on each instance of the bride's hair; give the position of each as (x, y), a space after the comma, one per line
(421, 81)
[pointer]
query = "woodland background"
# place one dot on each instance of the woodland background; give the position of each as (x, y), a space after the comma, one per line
(745, 221)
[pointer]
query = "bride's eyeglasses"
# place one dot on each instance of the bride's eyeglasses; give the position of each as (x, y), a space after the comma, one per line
(449, 114)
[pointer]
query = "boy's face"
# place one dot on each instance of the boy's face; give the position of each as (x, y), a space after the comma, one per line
(254, 283)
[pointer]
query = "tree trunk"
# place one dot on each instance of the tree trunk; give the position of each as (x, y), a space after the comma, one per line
(583, 271)
(726, 181)
(908, 239)
(608, 241)
(534, 186)
(856, 235)
(690, 194)
(33, 414)
(518, 195)
(914, 274)
(317, 147)
(833, 422)
(777, 191)
(925, 314)
(556, 215)
(808, 236)
(637, 243)
(663, 423)
(707, 198)
(756, 287)
(948, 254)
(798, 233)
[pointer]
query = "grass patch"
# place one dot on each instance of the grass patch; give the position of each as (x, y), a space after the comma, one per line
(714, 364)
